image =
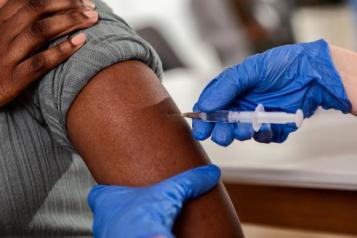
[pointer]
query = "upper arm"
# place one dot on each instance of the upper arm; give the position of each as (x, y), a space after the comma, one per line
(115, 113)
(122, 126)
(110, 41)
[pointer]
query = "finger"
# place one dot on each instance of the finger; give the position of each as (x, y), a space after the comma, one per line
(31, 12)
(223, 134)
(2, 2)
(38, 65)
(264, 135)
(228, 86)
(94, 195)
(22, 9)
(9, 8)
(43, 31)
(219, 92)
(201, 130)
(192, 184)
(243, 131)
(282, 132)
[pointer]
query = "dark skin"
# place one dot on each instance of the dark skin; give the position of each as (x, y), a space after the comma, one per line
(122, 126)
(25, 27)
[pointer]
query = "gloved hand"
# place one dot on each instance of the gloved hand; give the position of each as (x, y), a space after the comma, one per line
(286, 78)
(149, 211)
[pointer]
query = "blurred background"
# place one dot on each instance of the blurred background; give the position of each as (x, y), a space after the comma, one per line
(196, 39)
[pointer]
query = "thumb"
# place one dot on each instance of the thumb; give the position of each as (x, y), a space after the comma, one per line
(192, 184)
(229, 85)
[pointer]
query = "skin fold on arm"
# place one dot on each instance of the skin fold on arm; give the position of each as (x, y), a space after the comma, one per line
(122, 126)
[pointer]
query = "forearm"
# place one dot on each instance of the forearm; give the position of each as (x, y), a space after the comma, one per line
(122, 127)
(345, 62)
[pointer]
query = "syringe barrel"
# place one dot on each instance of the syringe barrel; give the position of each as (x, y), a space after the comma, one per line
(275, 117)
(257, 117)
(242, 117)
(262, 117)
(218, 116)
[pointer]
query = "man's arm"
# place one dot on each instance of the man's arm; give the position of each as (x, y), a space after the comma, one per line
(122, 126)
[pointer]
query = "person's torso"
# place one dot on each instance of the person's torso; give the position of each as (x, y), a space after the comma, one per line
(43, 187)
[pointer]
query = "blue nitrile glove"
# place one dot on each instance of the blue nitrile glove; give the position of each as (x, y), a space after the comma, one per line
(286, 78)
(127, 212)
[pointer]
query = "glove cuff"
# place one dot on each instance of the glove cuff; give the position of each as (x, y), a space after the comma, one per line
(329, 78)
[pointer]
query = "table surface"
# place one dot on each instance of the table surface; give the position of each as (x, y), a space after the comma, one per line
(323, 154)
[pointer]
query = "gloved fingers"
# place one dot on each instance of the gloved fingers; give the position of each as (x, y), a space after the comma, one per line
(191, 184)
(94, 194)
(243, 131)
(201, 130)
(231, 83)
(264, 135)
(223, 134)
(99, 195)
(221, 91)
(282, 132)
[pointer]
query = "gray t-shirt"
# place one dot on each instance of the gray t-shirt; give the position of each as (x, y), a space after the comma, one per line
(43, 188)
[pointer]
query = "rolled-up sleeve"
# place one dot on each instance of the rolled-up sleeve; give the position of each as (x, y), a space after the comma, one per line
(110, 41)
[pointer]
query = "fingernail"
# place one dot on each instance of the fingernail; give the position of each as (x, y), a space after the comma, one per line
(91, 14)
(79, 39)
(88, 3)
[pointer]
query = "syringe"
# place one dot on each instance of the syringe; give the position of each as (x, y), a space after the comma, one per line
(256, 118)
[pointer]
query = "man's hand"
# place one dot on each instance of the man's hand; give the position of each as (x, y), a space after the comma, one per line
(26, 26)
(286, 78)
(147, 211)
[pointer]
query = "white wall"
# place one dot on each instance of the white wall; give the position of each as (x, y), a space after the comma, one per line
(174, 19)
